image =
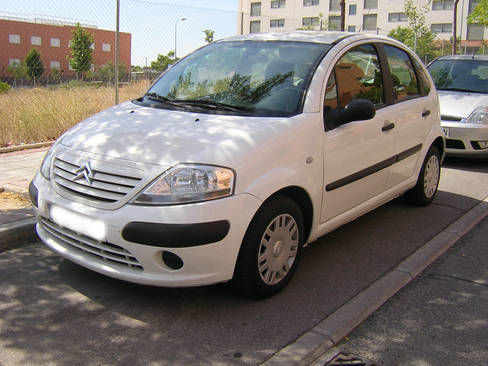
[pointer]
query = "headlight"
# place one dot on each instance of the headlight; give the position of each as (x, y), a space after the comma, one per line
(46, 162)
(187, 183)
(479, 115)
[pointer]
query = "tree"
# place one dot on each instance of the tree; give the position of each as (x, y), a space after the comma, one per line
(106, 72)
(417, 35)
(163, 61)
(480, 14)
(81, 51)
(33, 64)
(18, 71)
(209, 35)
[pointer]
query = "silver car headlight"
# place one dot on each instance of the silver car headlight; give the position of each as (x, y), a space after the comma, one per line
(186, 183)
(46, 162)
(479, 115)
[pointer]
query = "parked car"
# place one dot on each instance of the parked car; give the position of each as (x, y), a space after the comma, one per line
(238, 156)
(462, 83)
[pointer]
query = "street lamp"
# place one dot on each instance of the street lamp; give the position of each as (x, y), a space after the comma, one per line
(176, 23)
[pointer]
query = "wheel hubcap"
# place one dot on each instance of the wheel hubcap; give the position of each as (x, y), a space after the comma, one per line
(278, 249)
(431, 176)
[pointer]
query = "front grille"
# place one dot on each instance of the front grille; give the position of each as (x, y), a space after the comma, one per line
(105, 184)
(455, 144)
(450, 118)
(82, 244)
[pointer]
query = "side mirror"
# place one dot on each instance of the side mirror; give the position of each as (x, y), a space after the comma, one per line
(357, 110)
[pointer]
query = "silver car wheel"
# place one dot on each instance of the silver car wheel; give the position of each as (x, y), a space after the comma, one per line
(431, 176)
(278, 249)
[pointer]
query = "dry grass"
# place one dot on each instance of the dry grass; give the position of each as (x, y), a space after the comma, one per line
(43, 114)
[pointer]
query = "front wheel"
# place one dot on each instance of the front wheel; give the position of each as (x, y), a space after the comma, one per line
(426, 188)
(270, 249)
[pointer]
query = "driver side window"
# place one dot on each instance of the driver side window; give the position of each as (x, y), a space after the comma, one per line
(357, 75)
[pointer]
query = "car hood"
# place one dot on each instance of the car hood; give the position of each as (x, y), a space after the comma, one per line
(164, 137)
(458, 104)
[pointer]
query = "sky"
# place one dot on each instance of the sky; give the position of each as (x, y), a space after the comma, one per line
(151, 22)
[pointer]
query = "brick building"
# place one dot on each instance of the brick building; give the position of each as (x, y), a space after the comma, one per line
(18, 37)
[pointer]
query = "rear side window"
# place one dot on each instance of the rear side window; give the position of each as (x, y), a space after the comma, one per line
(405, 83)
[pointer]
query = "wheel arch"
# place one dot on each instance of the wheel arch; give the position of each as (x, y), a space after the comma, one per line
(440, 144)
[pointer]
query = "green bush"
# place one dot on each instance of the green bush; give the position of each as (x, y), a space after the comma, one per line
(4, 87)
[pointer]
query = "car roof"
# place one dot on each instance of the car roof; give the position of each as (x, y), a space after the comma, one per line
(325, 37)
(464, 57)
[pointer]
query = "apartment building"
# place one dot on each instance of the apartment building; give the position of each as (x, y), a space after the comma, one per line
(19, 36)
(369, 16)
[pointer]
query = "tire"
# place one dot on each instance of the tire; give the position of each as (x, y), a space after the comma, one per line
(271, 249)
(426, 188)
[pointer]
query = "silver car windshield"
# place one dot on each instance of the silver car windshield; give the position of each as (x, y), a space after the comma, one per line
(262, 78)
(460, 75)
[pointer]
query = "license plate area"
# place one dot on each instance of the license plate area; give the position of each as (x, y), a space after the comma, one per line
(79, 223)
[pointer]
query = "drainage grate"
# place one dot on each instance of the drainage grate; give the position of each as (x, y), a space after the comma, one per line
(343, 359)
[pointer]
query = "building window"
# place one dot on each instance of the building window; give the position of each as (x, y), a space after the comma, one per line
(441, 28)
(255, 26)
(55, 65)
(371, 4)
(255, 9)
(55, 42)
(13, 62)
(310, 21)
(472, 5)
(277, 23)
(70, 43)
(334, 5)
(443, 4)
(397, 17)
(334, 23)
(370, 22)
(352, 9)
(351, 28)
(36, 41)
(475, 32)
(92, 46)
(70, 67)
(106, 47)
(14, 38)
(310, 2)
(278, 4)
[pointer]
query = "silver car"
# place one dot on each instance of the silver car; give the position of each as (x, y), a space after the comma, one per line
(462, 83)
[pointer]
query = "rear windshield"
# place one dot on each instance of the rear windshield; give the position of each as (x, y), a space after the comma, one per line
(460, 75)
(260, 78)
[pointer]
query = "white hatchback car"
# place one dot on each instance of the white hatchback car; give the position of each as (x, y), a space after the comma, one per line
(462, 83)
(239, 155)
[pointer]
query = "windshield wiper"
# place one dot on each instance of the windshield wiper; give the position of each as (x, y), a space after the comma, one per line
(205, 103)
(461, 90)
(160, 98)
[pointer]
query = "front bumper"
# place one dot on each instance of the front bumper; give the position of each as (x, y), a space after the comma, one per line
(108, 251)
(462, 139)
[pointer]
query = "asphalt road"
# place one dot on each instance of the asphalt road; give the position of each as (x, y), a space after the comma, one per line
(55, 312)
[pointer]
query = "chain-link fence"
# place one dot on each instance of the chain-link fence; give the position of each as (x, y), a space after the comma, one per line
(150, 35)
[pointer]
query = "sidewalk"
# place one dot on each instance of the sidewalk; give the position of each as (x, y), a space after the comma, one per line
(441, 318)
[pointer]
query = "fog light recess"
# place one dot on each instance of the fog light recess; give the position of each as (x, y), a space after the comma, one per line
(172, 260)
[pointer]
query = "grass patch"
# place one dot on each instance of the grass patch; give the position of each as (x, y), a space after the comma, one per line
(44, 114)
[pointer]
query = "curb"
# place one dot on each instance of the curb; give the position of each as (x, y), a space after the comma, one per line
(16, 234)
(25, 147)
(318, 343)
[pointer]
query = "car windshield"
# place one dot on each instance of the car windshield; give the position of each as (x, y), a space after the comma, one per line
(460, 75)
(259, 78)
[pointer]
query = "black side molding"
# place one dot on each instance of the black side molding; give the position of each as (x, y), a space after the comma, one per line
(176, 235)
(373, 168)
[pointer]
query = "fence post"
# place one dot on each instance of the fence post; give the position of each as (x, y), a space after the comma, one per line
(117, 54)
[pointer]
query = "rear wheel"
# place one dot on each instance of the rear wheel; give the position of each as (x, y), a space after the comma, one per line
(426, 188)
(271, 248)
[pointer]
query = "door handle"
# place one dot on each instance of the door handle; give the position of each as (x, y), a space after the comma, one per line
(388, 127)
(425, 113)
